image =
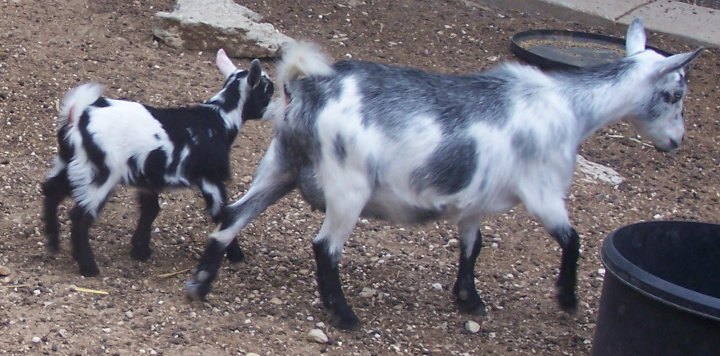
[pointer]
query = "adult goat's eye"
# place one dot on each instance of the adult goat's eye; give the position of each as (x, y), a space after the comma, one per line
(678, 95)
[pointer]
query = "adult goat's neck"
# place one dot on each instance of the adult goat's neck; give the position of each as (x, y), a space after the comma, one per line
(604, 94)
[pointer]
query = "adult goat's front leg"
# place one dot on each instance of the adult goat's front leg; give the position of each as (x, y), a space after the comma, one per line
(567, 279)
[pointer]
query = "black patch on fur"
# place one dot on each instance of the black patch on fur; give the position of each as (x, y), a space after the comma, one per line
(65, 150)
(257, 100)
(96, 156)
(202, 129)
(340, 149)
(101, 102)
(393, 96)
(449, 168)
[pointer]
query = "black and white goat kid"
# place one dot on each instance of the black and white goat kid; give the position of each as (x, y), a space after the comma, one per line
(103, 142)
(399, 144)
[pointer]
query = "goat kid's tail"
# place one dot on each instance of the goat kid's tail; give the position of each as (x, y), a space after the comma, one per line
(76, 100)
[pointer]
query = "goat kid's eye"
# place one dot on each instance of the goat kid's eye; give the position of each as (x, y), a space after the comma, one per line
(678, 95)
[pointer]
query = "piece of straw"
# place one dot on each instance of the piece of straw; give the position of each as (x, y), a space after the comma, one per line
(168, 275)
(88, 290)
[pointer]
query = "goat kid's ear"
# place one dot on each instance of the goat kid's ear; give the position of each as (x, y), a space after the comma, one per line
(224, 64)
(675, 62)
(255, 73)
(635, 38)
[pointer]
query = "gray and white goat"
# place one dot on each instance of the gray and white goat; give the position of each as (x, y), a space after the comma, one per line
(105, 142)
(399, 144)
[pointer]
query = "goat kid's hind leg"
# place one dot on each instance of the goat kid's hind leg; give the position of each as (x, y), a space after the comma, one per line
(215, 198)
(464, 290)
(149, 210)
(81, 251)
(55, 189)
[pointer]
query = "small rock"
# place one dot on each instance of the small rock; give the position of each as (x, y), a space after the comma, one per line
(276, 301)
(36, 340)
(318, 336)
(4, 271)
(367, 292)
(472, 326)
(251, 354)
(63, 333)
(437, 286)
(129, 314)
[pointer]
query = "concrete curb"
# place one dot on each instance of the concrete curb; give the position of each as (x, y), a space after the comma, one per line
(695, 24)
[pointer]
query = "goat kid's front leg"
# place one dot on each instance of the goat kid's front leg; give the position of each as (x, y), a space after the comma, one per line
(215, 198)
(464, 290)
(55, 189)
(149, 209)
(81, 251)
(567, 279)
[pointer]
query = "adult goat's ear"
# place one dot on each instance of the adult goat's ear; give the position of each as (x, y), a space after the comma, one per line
(255, 73)
(635, 38)
(677, 61)
(224, 64)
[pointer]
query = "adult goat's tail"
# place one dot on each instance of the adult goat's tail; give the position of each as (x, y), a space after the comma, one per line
(76, 100)
(303, 59)
(299, 60)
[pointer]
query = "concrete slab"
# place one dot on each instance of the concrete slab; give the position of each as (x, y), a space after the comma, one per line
(695, 23)
(608, 9)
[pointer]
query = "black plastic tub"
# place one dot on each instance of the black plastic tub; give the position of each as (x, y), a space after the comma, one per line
(661, 292)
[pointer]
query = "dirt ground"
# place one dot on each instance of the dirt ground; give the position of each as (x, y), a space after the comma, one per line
(397, 278)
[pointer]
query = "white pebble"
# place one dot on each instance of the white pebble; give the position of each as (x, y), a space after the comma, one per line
(36, 339)
(437, 286)
(318, 336)
(276, 301)
(251, 354)
(472, 326)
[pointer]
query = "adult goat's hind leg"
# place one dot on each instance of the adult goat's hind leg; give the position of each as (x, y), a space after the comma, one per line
(55, 189)
(465, 292)
(347, 197)
(149, 209)
(272, 181)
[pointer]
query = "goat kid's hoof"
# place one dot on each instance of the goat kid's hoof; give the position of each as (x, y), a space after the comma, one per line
(140, 254)
(89, 271)
(348, 322)
(53, 248)
(235, 255)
